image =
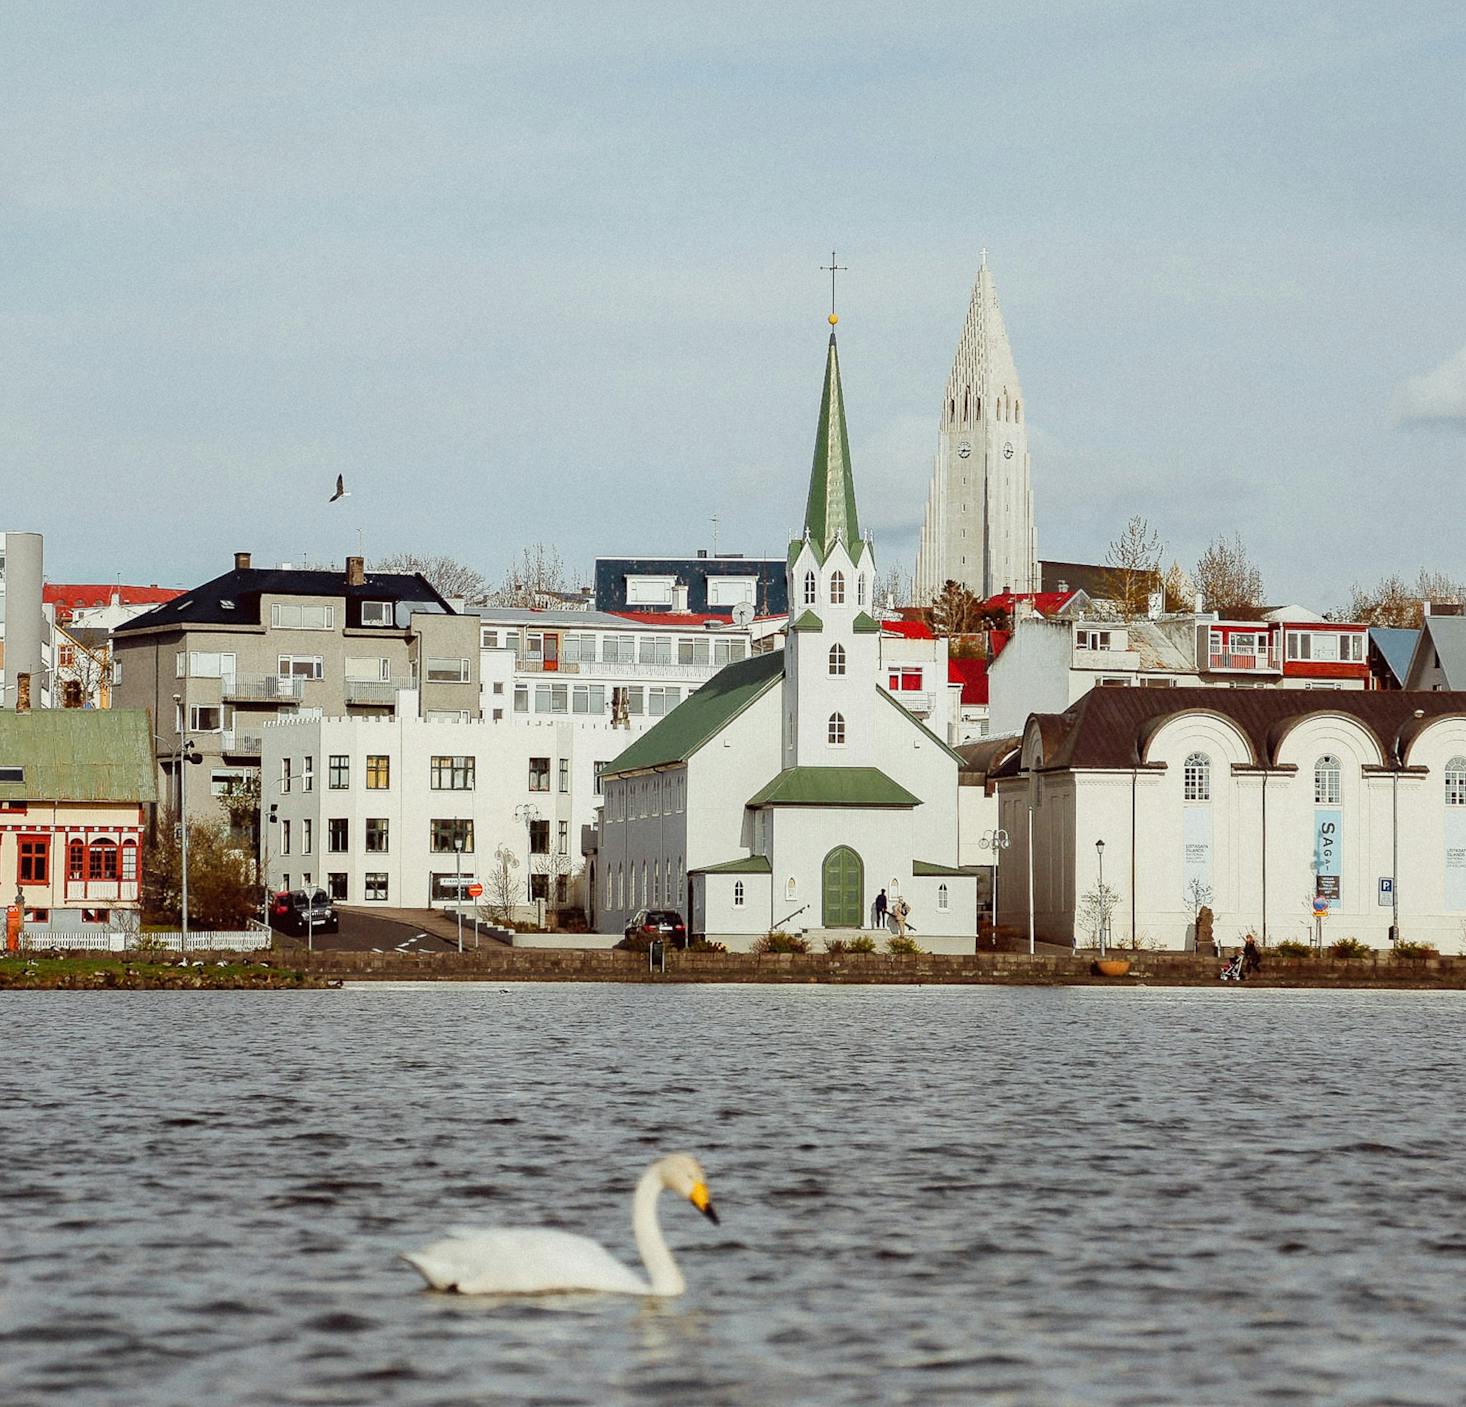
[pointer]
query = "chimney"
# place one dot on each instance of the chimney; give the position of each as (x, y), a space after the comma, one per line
(241, 561)
(355, 571)
(22, 693)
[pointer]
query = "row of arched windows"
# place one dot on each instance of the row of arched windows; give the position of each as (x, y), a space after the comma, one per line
(1328, 780)
(837, 589)
(102, 858)
(1005, 409)
(622, 890)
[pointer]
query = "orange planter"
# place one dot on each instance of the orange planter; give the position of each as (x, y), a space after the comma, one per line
(1112, 967)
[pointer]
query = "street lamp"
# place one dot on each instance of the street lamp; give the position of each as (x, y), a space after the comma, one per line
(529, 814)
(458, 880)
(1104, 913)
(995, 840)
(184, 752)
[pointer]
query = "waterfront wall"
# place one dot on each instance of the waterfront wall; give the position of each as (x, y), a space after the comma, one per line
(1147, 968)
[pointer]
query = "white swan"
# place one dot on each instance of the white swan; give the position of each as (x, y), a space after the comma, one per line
(531, 1260)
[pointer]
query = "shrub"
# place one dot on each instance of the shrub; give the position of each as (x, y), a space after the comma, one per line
(774, 942)
(1416, 950)
(703, 945)
(836, 946)
(900, 944)
(1349, 948)
(1292, 948)
(862, 943)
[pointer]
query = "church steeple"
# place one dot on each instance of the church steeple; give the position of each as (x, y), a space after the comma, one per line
(829, 512)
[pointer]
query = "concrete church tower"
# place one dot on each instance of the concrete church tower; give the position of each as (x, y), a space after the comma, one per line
(979, 527)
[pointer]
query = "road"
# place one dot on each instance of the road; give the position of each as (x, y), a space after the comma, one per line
(366, 932)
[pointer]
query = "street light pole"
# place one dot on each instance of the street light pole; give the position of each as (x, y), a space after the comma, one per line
(1099, 849)
(995, 840)
(458, 880)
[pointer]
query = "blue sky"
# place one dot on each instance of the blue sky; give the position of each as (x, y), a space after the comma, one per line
(552, 273)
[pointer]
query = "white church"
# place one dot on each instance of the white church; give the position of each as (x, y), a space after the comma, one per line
(978, 530)
(790, 789)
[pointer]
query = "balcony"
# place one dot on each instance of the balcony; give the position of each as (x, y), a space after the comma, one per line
(915, 701)
(101, 891)
(264, 688)
(1263, 663)
(240, 744)
(372, 693)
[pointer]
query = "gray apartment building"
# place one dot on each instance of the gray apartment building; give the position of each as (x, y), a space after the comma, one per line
(214, 665)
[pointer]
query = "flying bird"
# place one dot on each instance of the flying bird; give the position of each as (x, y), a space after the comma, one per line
(340, 490)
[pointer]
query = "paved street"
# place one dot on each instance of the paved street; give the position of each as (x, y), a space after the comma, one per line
(399, 930)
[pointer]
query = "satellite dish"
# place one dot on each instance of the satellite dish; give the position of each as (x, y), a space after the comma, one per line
(743, 615)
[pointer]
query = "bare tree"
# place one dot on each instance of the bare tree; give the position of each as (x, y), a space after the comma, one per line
(1391, 602)
(446, 575)
(893, 588)
(558, 870)
(1227, 577)
(502, 887)
(1134, 560)
(1439, 589)
(1179, 588)
(534, 578)
(955, 611)
(1096, 908)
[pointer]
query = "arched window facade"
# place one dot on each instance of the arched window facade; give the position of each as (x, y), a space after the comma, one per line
(837, 659)
(737, 893)
(102, 860)
(1196, 777)
(860, 589)
(1327, 781)
(836, 730)
(942, 898)
(811, 589)
(76, 860)
(1456, 782)
(837, 588)
(791, 888)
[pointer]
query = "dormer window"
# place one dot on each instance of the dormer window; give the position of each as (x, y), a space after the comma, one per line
(837, 588)
(1091, 639)
(811, 589)
(376, 613)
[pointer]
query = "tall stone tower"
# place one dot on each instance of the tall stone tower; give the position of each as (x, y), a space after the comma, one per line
(979, 528)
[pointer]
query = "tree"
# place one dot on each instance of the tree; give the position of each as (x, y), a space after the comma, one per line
(1134, 559)
(241, 803)
(1389, 603)
(892, 588)
(558, 871)
(1180, 590)
(1096, 908)
(955, 611)
(1227, 577)
(221, 888)
(446, 575)
(534, 579)
(502, 887)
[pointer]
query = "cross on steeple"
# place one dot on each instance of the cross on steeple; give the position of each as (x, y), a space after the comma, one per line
(832, 268)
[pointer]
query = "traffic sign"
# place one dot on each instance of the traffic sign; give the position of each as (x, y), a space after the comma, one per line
(1320, 906)
(475, 890)
(1386, 891)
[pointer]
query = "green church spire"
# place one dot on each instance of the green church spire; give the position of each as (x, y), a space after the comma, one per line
(829, 514)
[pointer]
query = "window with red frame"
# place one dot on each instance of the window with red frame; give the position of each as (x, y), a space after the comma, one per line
(35, 860)
(76, 860)
(903, 679)
(102, 860)
(129, 859)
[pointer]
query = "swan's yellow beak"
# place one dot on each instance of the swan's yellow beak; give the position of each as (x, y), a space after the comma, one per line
(700, 1199)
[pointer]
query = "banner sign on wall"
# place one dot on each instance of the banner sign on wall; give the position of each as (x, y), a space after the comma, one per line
(1195, 850)
(1455, 858)
(1328, 847)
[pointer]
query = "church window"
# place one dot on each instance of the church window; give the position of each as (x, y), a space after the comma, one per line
(942, 897)
(1196, 777)
(737, 893)
(837, 659)
(810, 589)
(836, 730)
(837, 588)
(860, 589)
(1456, 782)
(791, 889)
(1327, 781)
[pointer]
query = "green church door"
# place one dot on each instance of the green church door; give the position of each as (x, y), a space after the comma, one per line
(844, 889)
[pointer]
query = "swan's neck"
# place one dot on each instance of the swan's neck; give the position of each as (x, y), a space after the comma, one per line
(666, 1279)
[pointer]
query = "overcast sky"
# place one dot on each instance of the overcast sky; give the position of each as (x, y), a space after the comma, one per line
(528, 272)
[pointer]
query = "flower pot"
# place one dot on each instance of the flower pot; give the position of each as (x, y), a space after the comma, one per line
(1112, 967)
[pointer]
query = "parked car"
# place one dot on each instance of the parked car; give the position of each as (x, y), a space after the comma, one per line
(301, 911)
(651, 924)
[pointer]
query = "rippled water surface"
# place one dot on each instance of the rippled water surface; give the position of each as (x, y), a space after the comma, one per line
(940, 1195)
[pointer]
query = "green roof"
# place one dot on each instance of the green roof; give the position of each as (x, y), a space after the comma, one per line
(748, 864)
(927, 867)
(808, 621)
(916, 722)
(701, 716)
(829, 513)
(864, 625)
(78, 754)
(833, 786)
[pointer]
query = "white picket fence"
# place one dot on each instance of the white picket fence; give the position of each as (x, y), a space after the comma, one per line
(250, 940)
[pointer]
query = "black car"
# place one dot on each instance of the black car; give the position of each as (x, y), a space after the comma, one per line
(650, 924)
(302, 911)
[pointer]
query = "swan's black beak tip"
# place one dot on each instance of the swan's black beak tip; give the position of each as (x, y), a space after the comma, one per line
(711, 1215)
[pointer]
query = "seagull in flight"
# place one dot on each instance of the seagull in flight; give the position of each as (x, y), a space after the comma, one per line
(340, 490)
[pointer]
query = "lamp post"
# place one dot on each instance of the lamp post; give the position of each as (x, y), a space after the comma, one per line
(185, 752)
(1104, 913)
(458, 880)
(529, 814)
(995, 840)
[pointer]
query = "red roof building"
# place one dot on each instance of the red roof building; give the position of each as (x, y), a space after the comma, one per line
(71, 598)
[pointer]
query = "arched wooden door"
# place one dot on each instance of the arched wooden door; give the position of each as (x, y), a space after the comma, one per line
(844, 889)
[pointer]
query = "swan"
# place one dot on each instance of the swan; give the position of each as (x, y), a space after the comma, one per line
(529, 1260)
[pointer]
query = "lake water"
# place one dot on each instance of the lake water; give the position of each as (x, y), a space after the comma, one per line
(929, 1195)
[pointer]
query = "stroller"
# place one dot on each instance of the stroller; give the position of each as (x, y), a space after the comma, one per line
(1232, 972)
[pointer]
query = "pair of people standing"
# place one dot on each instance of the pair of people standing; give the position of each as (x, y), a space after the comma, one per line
(888, 910)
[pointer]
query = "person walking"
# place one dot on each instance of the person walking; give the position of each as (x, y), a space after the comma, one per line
(1251, 957)
(899, 911)
(881, 906)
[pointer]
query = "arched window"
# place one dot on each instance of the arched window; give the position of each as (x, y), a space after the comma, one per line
(737, 893)
(646, 896)
(860, 589)
(620, 887)
(1456, 782)
(791, 889)
(942, 897)
(811, 589)
(129, 859)
(837, 728)
(1327, 783)
(837, 588)
(656, 894)
(837, 659)
(76, 860)
(102, 860)
(1196, 777)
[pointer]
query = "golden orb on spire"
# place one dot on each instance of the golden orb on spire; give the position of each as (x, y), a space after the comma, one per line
(834, 318)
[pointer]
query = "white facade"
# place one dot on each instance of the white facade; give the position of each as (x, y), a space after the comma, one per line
(979, 527)
(1256, 830)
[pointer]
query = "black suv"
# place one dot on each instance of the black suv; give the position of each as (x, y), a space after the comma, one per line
(651, 924)
(299, 911)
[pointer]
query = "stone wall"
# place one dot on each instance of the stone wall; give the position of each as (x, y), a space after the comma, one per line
(1018, 969)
